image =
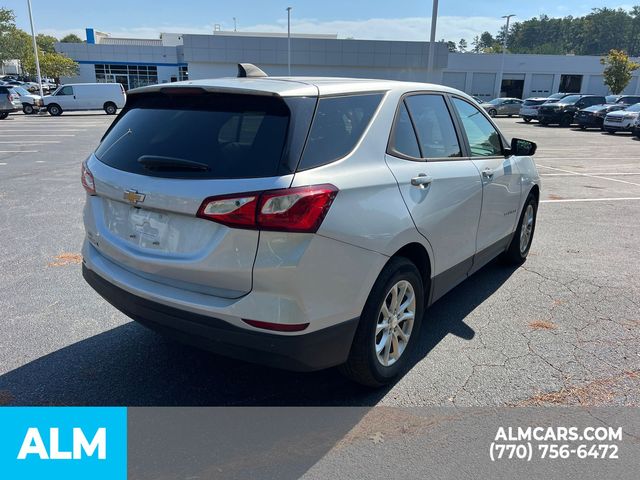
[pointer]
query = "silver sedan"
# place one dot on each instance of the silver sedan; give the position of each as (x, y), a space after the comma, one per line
(503, 106)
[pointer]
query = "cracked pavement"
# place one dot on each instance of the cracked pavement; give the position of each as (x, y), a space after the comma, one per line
(562, 329)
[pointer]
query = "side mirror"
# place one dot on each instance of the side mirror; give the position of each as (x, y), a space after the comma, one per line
(522, 148)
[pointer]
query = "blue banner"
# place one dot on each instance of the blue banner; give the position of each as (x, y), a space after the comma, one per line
(63, 443)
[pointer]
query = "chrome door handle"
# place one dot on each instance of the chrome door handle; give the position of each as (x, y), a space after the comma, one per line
(422, 180)
(488, 174)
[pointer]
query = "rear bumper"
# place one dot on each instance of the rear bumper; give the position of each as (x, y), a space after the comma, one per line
(317, 350)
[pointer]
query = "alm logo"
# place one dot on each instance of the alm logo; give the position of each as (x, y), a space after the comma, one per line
(33, 444)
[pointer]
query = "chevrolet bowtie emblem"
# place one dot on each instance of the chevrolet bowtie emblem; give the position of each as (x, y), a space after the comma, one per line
(133, 197)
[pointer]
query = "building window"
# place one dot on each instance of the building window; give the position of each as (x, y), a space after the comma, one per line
(130, 76)
(183, 73)
(570, 83)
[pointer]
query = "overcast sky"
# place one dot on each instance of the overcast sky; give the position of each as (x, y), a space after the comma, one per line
(373, 19)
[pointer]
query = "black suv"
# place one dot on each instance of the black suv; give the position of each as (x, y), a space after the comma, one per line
(562, 112)
(593, 117)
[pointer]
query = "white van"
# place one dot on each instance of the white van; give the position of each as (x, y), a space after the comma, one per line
(86, 96)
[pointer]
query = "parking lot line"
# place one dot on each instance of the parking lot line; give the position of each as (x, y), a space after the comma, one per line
(570, 200)
(618, 174)
(590, 175)
(32, 142)
(38, 135)
(19, 151)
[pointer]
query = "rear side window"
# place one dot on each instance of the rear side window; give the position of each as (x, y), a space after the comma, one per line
(404, 141)
(337, 127)
(200, 136)
(434, 127)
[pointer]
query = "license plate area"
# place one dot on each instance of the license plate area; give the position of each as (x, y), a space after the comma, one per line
(149, 229)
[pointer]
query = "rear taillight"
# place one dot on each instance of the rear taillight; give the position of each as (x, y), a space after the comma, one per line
(299, 209)
(10, 97)
(88, 182)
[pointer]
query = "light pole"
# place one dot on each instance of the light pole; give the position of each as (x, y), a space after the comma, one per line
(289, 41)
(504, 52)
(35, 49)
(432, 40)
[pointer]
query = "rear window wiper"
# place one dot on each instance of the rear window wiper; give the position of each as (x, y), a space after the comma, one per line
(156, 162)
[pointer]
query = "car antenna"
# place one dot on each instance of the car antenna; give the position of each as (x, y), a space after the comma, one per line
(250, 70)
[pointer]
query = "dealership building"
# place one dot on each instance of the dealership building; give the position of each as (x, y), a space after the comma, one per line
(175, 57)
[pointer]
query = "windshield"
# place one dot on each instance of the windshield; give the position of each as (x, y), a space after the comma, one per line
(496, 101)
(633, 108)
(21, 91)
(557, 95)
(570, 99)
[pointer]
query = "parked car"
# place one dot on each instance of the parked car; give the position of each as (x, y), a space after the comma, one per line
(9, 102)
(31, 103)
(209, 218)
(562, 112)
(621, 120)
(636, 127)
(612, 98)
(593, 117)
(529, 108)
(502, 106)
(86, 96)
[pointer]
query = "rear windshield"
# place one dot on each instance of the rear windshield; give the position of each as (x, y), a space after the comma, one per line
(206, 135)
(528, 103)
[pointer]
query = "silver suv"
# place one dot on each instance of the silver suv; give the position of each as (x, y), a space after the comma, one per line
(301, 222)
(9, 101)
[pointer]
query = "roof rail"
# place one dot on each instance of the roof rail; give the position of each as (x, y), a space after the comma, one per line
(250, 70)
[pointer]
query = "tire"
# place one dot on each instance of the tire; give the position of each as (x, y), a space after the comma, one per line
(510, 115)
(363, 365)
(544, 123)
(54, 110)
(493, 112)
(565, 121)
(4, 115)
(517, 252)
(526, 119)
(582, 127)
(610, 132)
(28, 109)
(110, 108)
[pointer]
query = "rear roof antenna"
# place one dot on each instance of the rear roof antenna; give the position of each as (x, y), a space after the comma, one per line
(250, 70)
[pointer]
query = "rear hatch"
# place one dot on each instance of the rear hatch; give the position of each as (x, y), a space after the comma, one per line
(167, 152)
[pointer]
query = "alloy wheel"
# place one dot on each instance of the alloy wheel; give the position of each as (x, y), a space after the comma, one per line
(395, 323)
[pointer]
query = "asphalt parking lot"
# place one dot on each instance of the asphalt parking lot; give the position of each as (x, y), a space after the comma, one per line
(562, 329)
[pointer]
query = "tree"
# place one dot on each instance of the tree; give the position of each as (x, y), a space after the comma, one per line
(451, 46)
(462, 45)
(46, 42)
(7, 25)
(71, 38)
(618, 70)
(475, 45)
(53, 65)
